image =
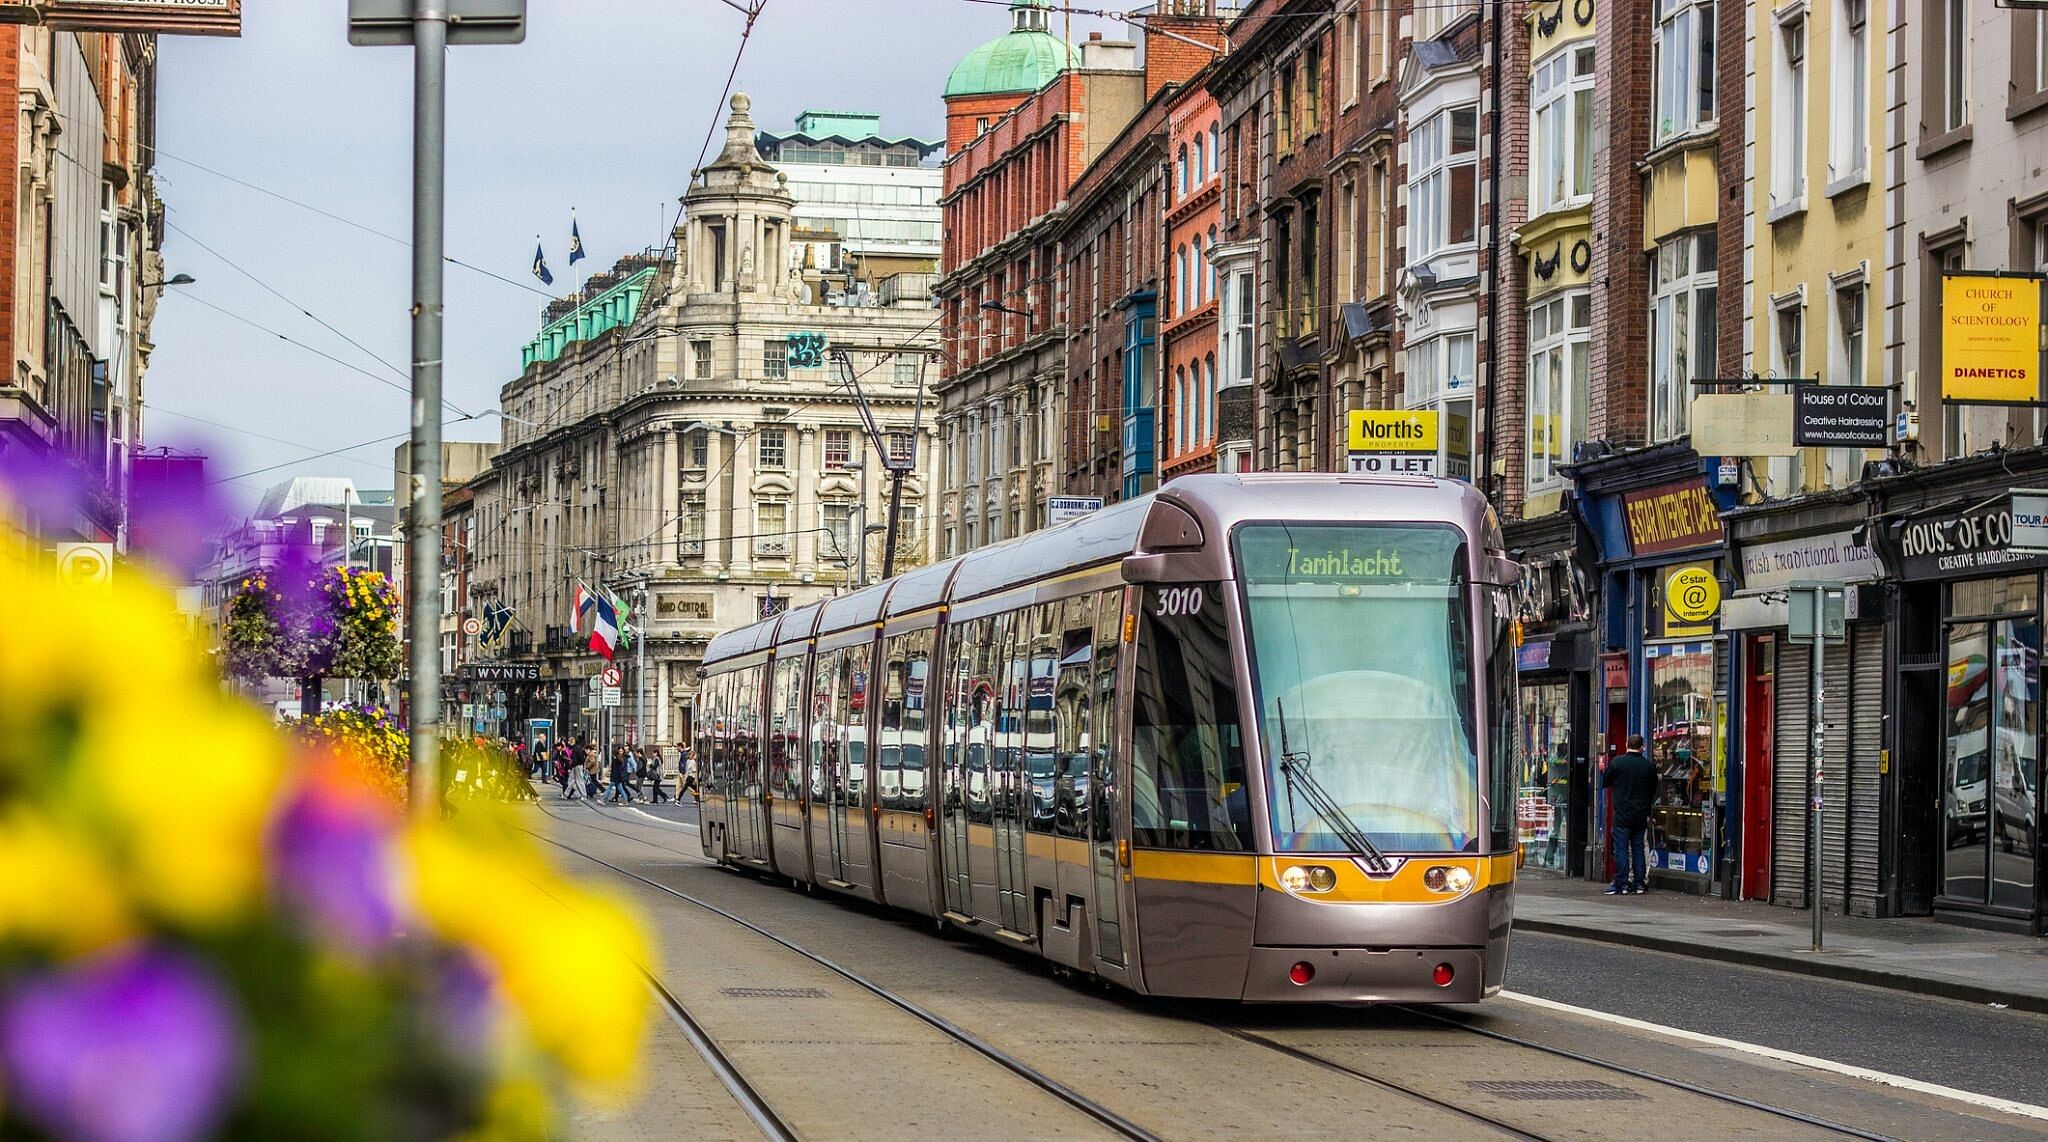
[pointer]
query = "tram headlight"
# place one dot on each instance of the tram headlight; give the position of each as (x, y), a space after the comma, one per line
(1308, 878)
(1447, 879)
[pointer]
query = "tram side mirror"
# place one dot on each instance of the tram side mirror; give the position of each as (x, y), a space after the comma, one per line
(1146, 568)
(1503, 571)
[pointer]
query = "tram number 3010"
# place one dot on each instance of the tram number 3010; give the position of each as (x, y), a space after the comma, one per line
(1176, 602)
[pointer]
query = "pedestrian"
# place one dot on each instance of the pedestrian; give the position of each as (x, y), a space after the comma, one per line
(636, 764)
(1631, 783)
(617, 776)
(654, 760)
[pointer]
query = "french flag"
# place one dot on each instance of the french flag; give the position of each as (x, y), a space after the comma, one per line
(579, 605)
(604, 633)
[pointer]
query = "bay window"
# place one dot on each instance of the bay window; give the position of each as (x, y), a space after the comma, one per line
(1683, 328)
(1682, 67)
(1560, 365)
(1440, 373)
(1561, 128)
(1443, 190)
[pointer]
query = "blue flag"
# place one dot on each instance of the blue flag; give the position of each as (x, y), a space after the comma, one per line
(575, 241)
(540, 266)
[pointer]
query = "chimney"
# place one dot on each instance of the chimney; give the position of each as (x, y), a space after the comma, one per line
(1099, 54)
(1170, 58)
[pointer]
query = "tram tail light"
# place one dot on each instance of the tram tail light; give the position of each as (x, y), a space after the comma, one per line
(1442, 975)
(1302, 972)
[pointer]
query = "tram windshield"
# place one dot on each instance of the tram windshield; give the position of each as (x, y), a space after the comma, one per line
(1362, 660)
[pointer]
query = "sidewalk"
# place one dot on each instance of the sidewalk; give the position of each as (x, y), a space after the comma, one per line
(1913, 954)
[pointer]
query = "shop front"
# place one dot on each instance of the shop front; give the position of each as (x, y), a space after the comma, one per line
(1969, 729)
(1656, 526)
(1553, 667)
(1821, 539)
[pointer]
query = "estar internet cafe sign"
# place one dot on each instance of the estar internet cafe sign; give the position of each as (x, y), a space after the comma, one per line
(1990, 337)
(164, 17)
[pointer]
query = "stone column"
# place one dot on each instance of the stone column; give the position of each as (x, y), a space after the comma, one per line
(670, 501)
(803, 508)
(717, 484)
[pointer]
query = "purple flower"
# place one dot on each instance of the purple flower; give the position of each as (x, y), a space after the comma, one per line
(174, 513)
(138, 1048)
(332, 862)
(44, 481)
(465, 1004)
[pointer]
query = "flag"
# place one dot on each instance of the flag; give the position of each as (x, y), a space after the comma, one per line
(497, 620)
(628, 631)
(540, 265)
(604, 633)
(575, 240)
(579, 605)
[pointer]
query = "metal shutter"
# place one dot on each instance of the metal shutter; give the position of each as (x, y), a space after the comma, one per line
(1866, 783)
(1789, 777)
(1834, 825)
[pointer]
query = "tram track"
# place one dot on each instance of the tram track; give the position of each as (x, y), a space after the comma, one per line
(1477, 1117)
(706, 1046)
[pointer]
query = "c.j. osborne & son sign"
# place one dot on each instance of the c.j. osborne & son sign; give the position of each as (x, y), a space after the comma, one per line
(1976, 540)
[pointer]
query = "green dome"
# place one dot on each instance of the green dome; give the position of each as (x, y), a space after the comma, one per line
(1024, 60)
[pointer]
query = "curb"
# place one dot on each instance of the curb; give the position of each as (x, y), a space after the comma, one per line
(1775, 961)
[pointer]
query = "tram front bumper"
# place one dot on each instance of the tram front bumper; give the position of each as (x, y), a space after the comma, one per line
(1365, 975)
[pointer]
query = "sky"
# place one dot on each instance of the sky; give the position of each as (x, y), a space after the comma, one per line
(265, 141)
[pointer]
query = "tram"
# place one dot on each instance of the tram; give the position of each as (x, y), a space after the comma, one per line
(1248, 737)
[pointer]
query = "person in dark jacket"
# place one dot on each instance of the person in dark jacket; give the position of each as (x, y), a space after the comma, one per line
(1631, 783)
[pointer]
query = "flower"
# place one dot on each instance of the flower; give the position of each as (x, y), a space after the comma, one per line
(333, 860)
(138, 1048)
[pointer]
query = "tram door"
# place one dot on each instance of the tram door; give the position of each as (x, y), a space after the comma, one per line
(953, 781)
(985, 739)
(743, 807)
(1104, 794)
(828, 741)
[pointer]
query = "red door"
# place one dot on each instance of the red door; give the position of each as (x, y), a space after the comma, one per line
(1758, 732)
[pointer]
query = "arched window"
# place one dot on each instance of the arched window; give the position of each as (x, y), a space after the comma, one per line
(1212, 262)
(1208, 429)
(1201, 275)
(1215, 150)
(1201, 162)
(1180, 281)
(1180, 410)
(1180, 170)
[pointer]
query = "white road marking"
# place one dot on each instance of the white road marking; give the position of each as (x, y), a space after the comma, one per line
(663, 820)
(2002, 1105)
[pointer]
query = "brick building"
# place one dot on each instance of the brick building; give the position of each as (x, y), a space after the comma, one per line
(1187, 404)
(1033, 116)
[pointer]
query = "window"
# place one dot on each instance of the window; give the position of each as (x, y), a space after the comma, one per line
(1788, 345)
(1560, 366)
(1179, 442)
(697, 450)
(1201, 173)
(1849, 342)
(1440, 372)
(1188, 788)
(108, 224)
(1199, 272)
(690, 540)
(1207, 432)
(1788, 131)
(1347, 239)
(1180, 171)
(1247, 313)
(1433, 17)
(1955, 62)
(1347, 57)
(1682, 64)
(1849, 108)
(838, 448)
(1379, 48)
(838, 522)
(771, 528)
(1283, 128)
(1443, 191)
(1180, 281)
(771, 450)
(902, 448)
(775, 360)
(1210, 264)
(1379, 229)
(1312, 89)
(700, 360)
(1561, 129)
(1682, 328)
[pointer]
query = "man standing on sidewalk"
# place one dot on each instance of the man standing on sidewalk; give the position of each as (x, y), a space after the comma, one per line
(1631, 783)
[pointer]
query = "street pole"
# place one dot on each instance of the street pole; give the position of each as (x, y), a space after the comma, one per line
(640, 668)
(429, 145)
(1818, 739)
(895, 509)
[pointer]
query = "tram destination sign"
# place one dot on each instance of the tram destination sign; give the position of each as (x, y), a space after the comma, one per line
(1841, 416)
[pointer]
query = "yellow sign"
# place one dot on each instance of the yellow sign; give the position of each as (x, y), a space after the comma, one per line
(1990, 338)
(1692, 597)
(1376, 430)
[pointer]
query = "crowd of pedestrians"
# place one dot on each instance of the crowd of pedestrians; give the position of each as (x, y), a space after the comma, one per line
(632, 773)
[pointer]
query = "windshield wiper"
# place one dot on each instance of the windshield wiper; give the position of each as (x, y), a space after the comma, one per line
(1294, 767)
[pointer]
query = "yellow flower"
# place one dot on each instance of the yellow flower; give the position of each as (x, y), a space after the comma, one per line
(479, 885)
(59, 893)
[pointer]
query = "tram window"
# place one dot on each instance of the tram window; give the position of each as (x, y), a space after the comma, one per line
(1109, 620)
(1187, 770)
(1070, 716)
(1041, 749)
(824, 743)
(889, 746)
(917, 656)
(961, 640)
(850, 710)
(1506, 704)
(785, 727)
